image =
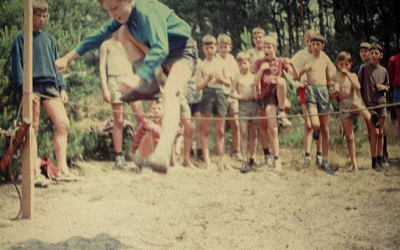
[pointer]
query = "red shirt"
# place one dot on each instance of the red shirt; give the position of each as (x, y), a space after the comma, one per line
(277, 65)
(394, 71)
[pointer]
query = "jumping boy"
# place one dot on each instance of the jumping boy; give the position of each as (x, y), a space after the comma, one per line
(270, 76)
(45, 82)
(245, 91)
(211, 80)
(149, 24)
(349, 99)
(374, 81)
(115, 67)
(298, 60)
(316, 66)
(224, 48)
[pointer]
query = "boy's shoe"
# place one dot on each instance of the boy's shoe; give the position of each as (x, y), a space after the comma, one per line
(307, 162)
(245, 168)
(278, 166)
(377, 167)
(385, 160)
(253, 165)
(318, 160)
(315, 135)
(268, 159)
(137, 160)
(238, 155)
(374, 119)
(145, 91)
(120, 163)
(283, 121)
(327, 169)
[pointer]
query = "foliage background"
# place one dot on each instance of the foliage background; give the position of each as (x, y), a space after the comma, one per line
(345, 24)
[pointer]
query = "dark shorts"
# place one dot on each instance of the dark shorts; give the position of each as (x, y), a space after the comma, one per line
(396, 97)
(317, 96)
(269, 99)
(213, 102)
(380, 111)
(248, 109)
(49, 89)
(187, 55)
(194, 108)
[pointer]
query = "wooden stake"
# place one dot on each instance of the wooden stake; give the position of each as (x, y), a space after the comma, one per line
(28, 154)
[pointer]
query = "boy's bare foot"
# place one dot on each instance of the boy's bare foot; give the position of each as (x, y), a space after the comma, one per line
(208, 165)
(188, 164)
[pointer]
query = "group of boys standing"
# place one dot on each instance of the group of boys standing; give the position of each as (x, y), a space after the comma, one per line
(259, 88)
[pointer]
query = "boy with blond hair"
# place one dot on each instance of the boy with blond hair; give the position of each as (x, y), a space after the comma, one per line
(374, 81)
(273, 89)
(45, 82)
(349, 98)
(224, 47)
(212, 78)
(316, 67)
(257, 53)
(172, 49)
(244, 90)
(115, 66)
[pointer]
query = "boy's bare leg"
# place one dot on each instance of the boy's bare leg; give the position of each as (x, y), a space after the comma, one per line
(138, 110)
(243, 140)
(187, 142)
(235, 131)
(324, 121)
(147, 145)
(220, 142)
(307, 138)
(198, 135)
(315, 121)
(253, 139)
(281, 94)
(205, 129)
(56, 111)
(35, 117)
(398, 120)
(179, 75)
(118, 109)
(348, 131)
(263, 131)
(271, 111)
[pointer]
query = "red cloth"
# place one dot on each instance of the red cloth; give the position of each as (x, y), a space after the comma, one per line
(394, 71)
(277, 65)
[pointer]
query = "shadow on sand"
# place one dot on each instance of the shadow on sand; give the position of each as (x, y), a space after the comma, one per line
(100, 242)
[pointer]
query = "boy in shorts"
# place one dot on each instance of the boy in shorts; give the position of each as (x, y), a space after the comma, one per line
(298, 60)
(244, 90)
(224, 47)
(374, 81)
(211, 80)
(349, 98)
(171, 48)
(273, 89)
(115, 67)
(48, 83)
(316, 66)
(257, 53)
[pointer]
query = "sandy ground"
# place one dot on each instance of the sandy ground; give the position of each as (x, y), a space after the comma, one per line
(209, 209)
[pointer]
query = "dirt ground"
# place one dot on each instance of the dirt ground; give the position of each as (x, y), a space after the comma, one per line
(209, 209)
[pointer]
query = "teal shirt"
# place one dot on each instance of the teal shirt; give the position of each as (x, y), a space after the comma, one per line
(44, 55)
(153, 24)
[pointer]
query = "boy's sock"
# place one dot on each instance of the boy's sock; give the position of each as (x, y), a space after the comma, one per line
(385, 152)
(281, 110)
(118, 153)
(307, 154)
(319, 154)
(324, 160)
(266, 151)
(251, 162)
(379, 160)
(276, 158)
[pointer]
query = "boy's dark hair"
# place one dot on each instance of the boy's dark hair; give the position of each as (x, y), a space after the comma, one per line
(40, 5)
(344, 56)
(376, 46)
(317, 37)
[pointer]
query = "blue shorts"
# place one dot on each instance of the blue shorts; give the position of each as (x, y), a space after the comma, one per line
(187, 55)
(194, 108)
(317, 96)
(396, 97)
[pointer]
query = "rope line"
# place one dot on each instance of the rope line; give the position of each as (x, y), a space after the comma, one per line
(222, 118)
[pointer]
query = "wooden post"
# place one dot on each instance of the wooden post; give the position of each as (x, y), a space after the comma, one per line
(28, 154)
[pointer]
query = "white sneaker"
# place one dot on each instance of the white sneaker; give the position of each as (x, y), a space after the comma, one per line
(283, 121)
(278, 166)
(268, 159)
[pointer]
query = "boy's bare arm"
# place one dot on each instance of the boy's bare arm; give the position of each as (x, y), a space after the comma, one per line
(306, 67)
(257, 78)
(203, 80)
(223, 79)
(63, 62)
(353, 79)
(103, 72)
(293, 70)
